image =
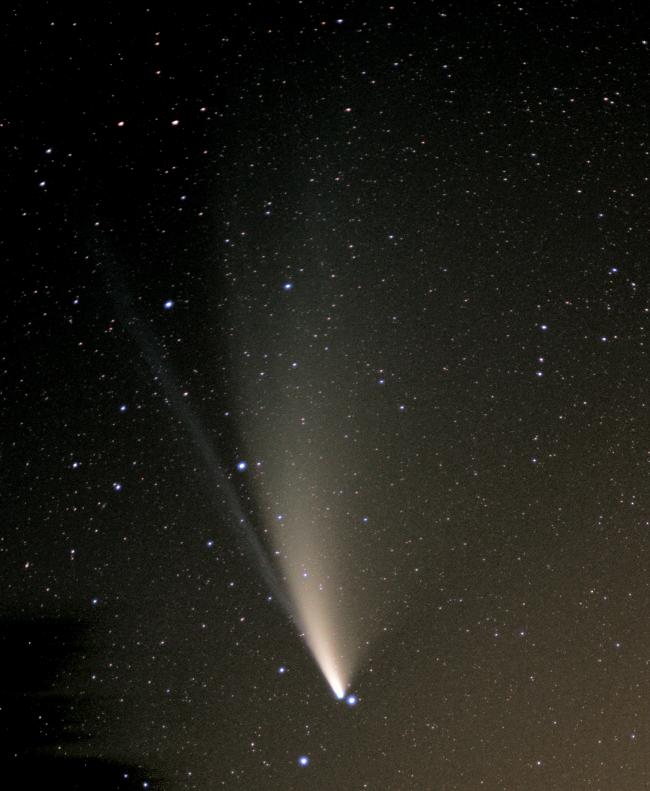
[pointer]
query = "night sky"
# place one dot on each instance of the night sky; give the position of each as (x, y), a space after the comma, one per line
(324, 361)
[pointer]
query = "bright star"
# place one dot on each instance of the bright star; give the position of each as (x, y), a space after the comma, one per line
(169, 304)
(352, 700)
(242, 465)
(303, 760)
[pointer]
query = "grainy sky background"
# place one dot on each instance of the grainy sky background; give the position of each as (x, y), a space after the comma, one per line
(392, 260)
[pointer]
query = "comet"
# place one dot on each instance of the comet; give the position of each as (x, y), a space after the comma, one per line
(303, 571)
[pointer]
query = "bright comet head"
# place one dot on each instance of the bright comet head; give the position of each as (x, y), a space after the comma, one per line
(338, 691)
(327, 663)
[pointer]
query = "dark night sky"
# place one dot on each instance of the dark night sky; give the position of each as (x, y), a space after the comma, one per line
(393, 260)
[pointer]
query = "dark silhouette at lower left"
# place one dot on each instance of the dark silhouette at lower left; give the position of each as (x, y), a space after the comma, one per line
(39, 724)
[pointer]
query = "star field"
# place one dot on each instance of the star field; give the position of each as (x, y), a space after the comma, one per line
(324, 379)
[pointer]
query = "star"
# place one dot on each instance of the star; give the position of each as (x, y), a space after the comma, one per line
(303, 760)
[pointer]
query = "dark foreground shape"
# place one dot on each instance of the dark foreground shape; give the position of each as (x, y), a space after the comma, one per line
(41, 731)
